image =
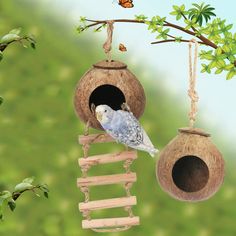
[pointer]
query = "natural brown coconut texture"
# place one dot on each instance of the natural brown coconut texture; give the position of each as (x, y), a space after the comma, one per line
(190, 168)
(109, 83)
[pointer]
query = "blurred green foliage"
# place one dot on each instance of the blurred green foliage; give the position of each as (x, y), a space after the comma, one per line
(39, 129)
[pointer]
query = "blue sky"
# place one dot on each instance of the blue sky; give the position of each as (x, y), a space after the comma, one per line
(217, 96)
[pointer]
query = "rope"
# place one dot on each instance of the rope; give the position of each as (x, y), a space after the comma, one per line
(127, 165)
(86, 131)
(107, 45)
(192, 82)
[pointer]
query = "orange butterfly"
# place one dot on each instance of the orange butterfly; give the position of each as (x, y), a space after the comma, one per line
(122, 48)
(126, 3)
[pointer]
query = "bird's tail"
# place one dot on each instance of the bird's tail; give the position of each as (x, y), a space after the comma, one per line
(153, 151)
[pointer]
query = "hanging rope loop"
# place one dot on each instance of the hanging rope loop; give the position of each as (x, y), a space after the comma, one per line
(192, 93)
(107, 45)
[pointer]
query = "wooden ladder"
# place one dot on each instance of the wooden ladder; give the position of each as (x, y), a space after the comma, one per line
(127, 179)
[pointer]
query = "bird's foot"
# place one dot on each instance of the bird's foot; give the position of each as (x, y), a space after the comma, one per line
(125, 107)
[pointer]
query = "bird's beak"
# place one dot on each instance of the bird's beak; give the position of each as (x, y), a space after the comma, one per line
(99, 116)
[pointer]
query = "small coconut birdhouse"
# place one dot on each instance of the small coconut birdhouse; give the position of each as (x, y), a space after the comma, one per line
(109, 83)
(190, 168)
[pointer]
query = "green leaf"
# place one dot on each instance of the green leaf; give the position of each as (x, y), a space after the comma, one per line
(220, 64)
(176, 7)
(213, 64)
(1, 55)
(182, 7)
(1, 100)
(166, 31)
(226, 48)
(230, 74)
(201, 12)
(80, 29)
(22, 187)
(44, 188)
(38, 195)
(15, 31)
(228, 27)
(174, 13)
(33, 45)
(206, 68)
(82, 19)
(29, 180)
(12, 204)
(206, 56)
(5, 195)
(141, 17)
(218, 51)
(178, 17)
(218, 71)
(45, 194)
(229, 67)
(178, 39)
(9, 38)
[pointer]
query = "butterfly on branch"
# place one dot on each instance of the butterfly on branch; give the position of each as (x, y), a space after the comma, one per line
(122, 48)
(126, 3)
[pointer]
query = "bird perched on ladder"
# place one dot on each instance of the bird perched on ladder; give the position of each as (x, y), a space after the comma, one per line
(124, 128)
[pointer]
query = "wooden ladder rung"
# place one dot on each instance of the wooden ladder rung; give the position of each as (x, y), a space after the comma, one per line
(108, 158)
(95, 138)
(110, 222)
(107, 203)
(106, 179)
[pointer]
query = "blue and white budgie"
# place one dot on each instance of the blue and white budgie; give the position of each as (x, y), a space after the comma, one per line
(124, 128)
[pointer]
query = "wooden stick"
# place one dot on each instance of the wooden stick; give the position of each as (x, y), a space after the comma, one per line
(108, 158)
(107, 203)
(107, 179)
(110, 222)
(95, 138)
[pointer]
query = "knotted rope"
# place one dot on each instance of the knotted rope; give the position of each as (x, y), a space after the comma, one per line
(107, 45)
(192, 82)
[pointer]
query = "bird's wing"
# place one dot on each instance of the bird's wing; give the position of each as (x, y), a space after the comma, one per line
(130, 129)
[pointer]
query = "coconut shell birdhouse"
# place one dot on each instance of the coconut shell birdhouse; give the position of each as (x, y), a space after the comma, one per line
(190, 167)
(110, 83)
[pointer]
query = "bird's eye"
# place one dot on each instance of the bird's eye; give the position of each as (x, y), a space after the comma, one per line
(105, 111)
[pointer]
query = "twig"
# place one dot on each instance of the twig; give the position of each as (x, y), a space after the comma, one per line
(173, 40)
(3, 46)
(16, 195)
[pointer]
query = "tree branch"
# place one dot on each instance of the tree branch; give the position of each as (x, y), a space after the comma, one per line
(16, 195)
(173, 40)
(204, 40)
(3, 46)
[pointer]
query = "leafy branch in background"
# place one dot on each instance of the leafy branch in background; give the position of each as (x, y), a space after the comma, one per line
(14, 36)
(200, 22)
(8, 198)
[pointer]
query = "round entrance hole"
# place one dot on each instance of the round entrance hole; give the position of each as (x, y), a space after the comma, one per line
(109, 95)
(190, 174)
